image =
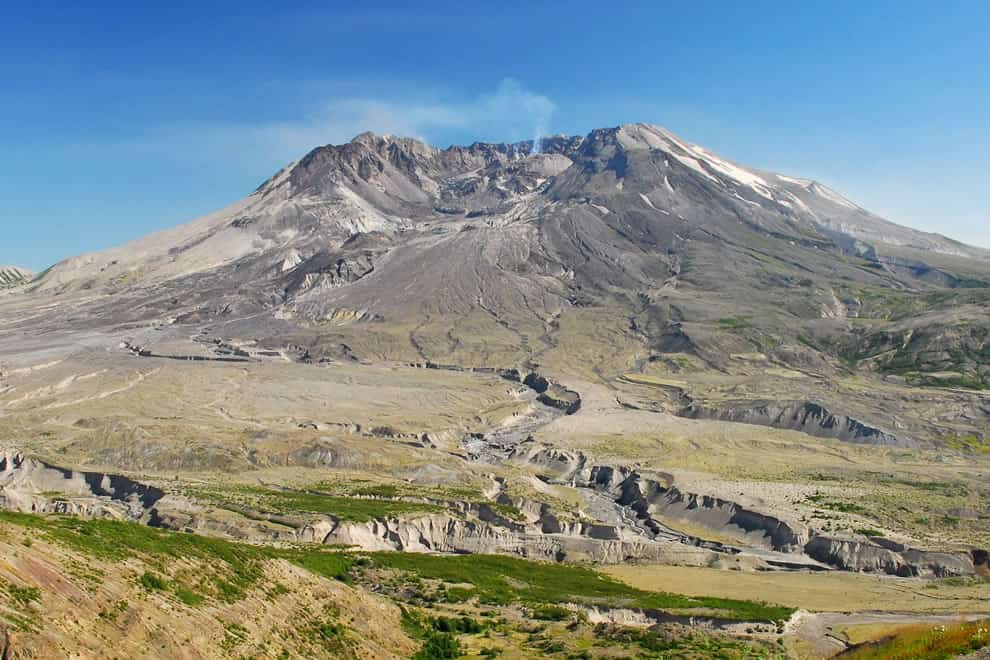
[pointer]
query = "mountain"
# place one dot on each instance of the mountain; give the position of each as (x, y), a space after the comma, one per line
(617, 349)
(11, 276)
(381, 185)
(630, 219)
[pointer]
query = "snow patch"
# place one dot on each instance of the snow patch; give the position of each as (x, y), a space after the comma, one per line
(743, 199)
(832, 196)
(728, 169)
(694, 165)
(797, 200)
(649, 137)
(798, 182)
(292, 259)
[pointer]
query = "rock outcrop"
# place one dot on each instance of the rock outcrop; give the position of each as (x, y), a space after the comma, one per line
(33, 486)
(882, 556)
(649, 499)
(588, 543)
(805, 416)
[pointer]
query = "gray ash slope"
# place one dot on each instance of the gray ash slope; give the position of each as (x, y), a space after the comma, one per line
(391, 230)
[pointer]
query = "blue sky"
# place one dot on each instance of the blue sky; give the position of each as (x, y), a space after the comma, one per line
(120, 119)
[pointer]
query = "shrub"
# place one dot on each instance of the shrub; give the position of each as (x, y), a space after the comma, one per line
(439, 646)
(152, 582)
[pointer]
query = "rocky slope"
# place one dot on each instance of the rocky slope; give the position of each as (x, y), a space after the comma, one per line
(12, 276)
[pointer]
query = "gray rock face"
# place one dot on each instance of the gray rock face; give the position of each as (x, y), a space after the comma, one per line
(806, 416)
(645, 498)
(649, 497)
(33, 486)
(596, 544)
(889, 558)
(716, 513)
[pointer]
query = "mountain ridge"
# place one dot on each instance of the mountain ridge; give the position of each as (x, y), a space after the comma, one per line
(631, 221)
(408, 173)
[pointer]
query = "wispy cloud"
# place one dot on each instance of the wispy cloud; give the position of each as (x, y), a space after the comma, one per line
(508, 112)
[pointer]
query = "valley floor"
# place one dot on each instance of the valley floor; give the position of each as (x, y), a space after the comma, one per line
(344, 508)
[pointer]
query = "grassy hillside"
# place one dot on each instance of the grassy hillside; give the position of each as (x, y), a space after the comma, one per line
(148, 592)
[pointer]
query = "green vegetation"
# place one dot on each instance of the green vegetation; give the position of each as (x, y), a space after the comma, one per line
(464, 625)
(836, 505)
(661, 643)
(910, 502)
(866, 531)
(352, 502)
(551, 613)
(918, 643)
(359, 488)
(20, 601)
(734, 323)
(508, 511)
(457, 595)
(113, 612)
(327, 634)
(228, 569)
(234, 634)
(328, 563)
(152, 582)
(413, 623)
(439, 646)
(938, 367)
(503, 580)
(962, 381)
(438, 633)
(437, 495)
(971, 444)
(942, 488)
(20, 597)
(188, 596)
(949, 352)
(963, 582)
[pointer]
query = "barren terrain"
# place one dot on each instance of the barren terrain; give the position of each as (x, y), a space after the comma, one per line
(409, 386)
